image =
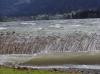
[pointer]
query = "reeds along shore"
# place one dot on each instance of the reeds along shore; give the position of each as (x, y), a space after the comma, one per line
(13, 43)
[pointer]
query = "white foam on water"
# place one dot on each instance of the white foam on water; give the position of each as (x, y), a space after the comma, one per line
(32, 23)
(56, 26)
(76, 25)
(27, 23)
(2, 28)
(24, 23)
(39, 28)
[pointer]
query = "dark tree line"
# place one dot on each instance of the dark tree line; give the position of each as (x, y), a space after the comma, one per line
(68, 15)
(87, 14)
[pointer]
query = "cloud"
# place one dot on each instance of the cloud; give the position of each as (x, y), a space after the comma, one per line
(27, 1)
(18, 2)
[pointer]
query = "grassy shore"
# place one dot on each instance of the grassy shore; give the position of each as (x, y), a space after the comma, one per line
(19, 71)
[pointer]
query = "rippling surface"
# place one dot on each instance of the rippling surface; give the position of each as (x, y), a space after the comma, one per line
(53, 26)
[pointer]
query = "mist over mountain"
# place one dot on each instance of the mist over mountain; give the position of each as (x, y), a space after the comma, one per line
(35, 7)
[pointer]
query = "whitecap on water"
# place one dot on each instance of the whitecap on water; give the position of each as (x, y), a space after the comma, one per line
(39, 28)
(76, 25)
(27, 23)
(24, 23)
(56, 26)
(32, 23)
(2, 28)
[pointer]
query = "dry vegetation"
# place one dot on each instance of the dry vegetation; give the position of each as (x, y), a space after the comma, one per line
(13, 43)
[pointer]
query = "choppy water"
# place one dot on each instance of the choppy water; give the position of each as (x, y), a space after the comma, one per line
(48, 27)
(53, 26)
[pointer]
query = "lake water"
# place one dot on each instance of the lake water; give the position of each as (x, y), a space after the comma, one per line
(46, 27)
(53, 26)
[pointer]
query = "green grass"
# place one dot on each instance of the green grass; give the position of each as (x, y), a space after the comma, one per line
(66, 58)
(15, 71)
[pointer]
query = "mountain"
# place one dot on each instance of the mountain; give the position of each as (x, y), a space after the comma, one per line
(35, 7)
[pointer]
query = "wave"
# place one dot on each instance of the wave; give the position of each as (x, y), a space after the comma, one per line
(27, 23)
(2, 28)
(56, 26)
